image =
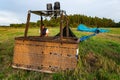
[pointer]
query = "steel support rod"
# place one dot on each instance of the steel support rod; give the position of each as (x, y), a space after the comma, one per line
(27, 24)
(67, 26)
(41, 24)
(61, 24)
(67, 30)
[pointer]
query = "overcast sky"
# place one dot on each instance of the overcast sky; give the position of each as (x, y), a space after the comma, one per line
(15, 11)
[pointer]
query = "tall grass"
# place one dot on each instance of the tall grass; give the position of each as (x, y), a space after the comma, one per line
(99, 57)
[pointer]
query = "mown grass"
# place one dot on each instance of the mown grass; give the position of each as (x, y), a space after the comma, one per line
(99, 57)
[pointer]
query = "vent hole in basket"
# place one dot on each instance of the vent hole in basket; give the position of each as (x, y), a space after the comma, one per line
(50, 53)
(42, 52)
(68, 55)
(49, 66)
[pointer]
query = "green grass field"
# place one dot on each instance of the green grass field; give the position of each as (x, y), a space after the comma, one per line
(99, 57)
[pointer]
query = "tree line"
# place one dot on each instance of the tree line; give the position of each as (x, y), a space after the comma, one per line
(74, 21)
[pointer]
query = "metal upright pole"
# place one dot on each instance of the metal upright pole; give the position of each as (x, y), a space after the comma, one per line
(67, 30)
(41, 25)
(61, 24)
(27, 24)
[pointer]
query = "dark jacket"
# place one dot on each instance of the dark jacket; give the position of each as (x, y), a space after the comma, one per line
(44, 31)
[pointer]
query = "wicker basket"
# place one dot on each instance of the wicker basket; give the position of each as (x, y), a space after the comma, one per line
(45, 56)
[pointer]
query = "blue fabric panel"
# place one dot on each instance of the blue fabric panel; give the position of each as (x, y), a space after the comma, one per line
(82, 27)
(87, 37)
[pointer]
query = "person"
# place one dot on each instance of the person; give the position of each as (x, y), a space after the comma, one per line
(44, 31)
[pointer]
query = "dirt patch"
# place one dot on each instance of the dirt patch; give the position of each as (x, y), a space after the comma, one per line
(91, 59)
(91, 62)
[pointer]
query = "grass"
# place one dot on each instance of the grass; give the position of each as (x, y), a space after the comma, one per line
(99, 57)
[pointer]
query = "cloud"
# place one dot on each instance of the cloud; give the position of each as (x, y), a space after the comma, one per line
(7, 17)
(17, 12)
(99, 8)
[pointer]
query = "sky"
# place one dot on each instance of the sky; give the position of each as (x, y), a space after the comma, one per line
(15, 11)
